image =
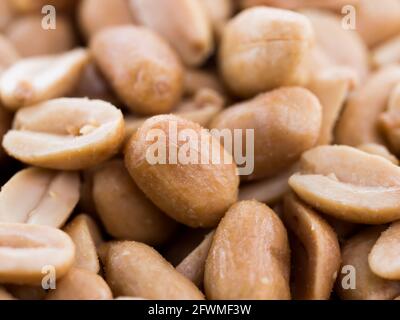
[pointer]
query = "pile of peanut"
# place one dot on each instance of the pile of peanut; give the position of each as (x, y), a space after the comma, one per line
(85, 215)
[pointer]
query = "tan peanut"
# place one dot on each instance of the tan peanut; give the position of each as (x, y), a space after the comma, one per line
(79, 284)
(8, 54)
(126, 213)
(249, 256)
(219, 12)
(24, 29)
(49, 197)
(265, 48)
(171, 19)
(387, 53)
(192, 267)
(199, 79)
(25, 249)
(390, 121)
(358, 123)
(365, 285)
(384, 257)
(38, 79)
(316, 265)
(137, 270)
(141, 67)
(286, 122)
(66, 134)
(339, 181)
(86, 236)
(192, 193)
(379, 150)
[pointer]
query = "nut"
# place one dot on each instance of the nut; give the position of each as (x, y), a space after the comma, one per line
(379, 150)
(8, 54)
(65, 134)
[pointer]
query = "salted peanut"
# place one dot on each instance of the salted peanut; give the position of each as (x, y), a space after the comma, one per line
(298, 4)
(26, 249)
(198, 185)
(27, 292)
(24, 29)
(340, 181)
(5, 125)
(126, 213)
(8, 54)
(358, 123)
(80, 284)
(377, 21)
(219, 12)
(192, 267)
(315, 271)
(198, 79)
(384, 256)
(331, 86)
(137, 270)
(265, 48)
(66, 134)
(141, 67)
(386, 53)
(344, 47)
(390, 120)
(7, 13)
(269, 190)
(49, 197)
(356, 280)
(86, 236)
(5, 295)
(379, 150)
(286, 122)
(249, 257)
(33, 80)
(95, 15)
(171, 19)
(26, 6)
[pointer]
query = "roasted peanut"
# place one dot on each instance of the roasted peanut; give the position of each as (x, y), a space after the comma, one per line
(38, 79)
(197, 79)
(126, 213)
(379, 150)
(249, 256)
(26, 249)
(8, 54)
(135, 269)
(141, 67)
(264, 48)
(340, 181)
(387, 53)
(219, 12)
(171, 19)
(286, 122)
(389, 120)
(194, 194)
(66, 134)
(317, 265)
(49, 197)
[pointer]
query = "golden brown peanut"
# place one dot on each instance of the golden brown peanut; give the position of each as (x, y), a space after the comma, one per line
(249, 256)
(33, 80)
(192, 267)
(317, 265)
(79, 284)
(377, 21)
(286, 123)
(298, 4)
(141, 67)
(331, 86)
(26, 6)
(379, 150)
(27, 292)
(219, 12)
(4, 294)
(8, 54)
(343, 47)
(96, 15)
(390, 120)
(269, 190)
(265, 48)
(24, 29)
(368, 286)
(198, 79)
(25, 249)
(194, 194)
(387, 53)
(66, 134)
(49, 197)
(384, 256)
(86, 236)
(7, 14)
(171, 19)
(126, 213)
(135, 269)
(359, 122)
(349, 184)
